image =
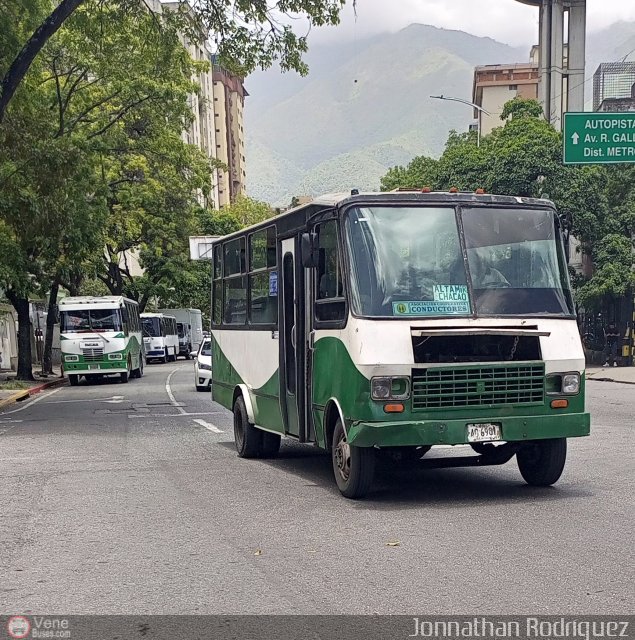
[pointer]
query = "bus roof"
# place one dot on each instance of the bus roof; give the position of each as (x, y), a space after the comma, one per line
(402, 196)
(156, 315)
(73, 303)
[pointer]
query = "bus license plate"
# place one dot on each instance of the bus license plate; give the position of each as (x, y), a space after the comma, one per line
(483, 432)
(93, 366)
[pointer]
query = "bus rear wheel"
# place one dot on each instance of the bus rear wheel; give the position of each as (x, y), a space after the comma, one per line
(541, 463)
(354, 467)
(247, 437)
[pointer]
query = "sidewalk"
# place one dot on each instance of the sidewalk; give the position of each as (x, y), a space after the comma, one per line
(626, 375)
(12, 391)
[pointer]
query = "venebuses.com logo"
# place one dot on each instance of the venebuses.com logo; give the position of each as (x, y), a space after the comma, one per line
(18, 627)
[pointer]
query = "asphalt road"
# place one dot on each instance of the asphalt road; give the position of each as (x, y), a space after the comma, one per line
(131, 499)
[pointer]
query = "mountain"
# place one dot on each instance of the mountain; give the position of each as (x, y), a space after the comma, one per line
(365, 106)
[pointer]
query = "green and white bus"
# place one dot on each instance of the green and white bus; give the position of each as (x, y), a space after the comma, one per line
(100, 336)
(394, 322)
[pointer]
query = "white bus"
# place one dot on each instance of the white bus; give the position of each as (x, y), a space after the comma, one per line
(160, 336)
(100, 336)
(395, 322)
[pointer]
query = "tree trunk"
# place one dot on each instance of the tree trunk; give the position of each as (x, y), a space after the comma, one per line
(47, 360)
(25, 365)
(24, 59)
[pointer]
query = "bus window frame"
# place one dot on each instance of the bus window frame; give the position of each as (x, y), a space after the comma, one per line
(221, 279)
(339, 323)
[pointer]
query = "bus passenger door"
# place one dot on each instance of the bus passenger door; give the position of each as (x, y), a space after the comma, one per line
(292, 340)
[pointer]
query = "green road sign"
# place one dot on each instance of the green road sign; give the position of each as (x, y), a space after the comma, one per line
(599, 138)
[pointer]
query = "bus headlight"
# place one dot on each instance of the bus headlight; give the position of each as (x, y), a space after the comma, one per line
(395, 388)
(571, 383)
(71, 358)
(115, 356)
(380, 388)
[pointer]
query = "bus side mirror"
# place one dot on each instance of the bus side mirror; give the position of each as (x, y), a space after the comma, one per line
(309, 250)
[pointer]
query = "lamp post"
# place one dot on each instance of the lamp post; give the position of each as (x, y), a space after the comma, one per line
(470, 104)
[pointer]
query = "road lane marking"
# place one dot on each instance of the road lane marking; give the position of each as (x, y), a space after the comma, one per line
(30, 403)
(149, 416)
(111, 400)
(168, 390)
(208, 425)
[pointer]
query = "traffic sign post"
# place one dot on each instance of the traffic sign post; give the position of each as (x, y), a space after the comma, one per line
(599, 138)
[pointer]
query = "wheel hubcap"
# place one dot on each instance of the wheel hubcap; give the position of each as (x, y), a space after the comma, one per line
(343, 458)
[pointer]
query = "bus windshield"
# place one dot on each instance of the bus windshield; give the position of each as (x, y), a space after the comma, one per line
(408, 261)
(91, 320)
(151, 327)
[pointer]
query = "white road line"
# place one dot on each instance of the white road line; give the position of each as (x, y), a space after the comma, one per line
(32, 402)
(168, 390)
(208, 425)
(111, 400)
(185, 414)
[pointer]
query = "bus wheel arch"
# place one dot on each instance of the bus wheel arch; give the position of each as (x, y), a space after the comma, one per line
(241, 390)
(332, 413)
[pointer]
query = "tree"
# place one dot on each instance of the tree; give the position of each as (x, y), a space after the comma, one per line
(248, 34)
(106, 99)
(248, 211)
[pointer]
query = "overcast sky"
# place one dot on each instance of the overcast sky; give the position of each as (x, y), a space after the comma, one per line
(504, 20)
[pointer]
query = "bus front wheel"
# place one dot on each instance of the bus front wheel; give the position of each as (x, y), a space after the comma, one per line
(247, 437)
(541, 462)
(354, 467)
(124, 376)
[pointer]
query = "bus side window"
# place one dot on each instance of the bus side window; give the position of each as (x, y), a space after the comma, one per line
(329, 304)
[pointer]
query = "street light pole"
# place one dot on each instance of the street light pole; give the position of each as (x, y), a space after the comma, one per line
(471, 104)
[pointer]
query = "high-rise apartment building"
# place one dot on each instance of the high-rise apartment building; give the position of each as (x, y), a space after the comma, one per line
(229, 100)
(201, 131)
(217, 125)
(614, 87)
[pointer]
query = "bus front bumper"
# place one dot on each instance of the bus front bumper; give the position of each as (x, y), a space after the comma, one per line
(97, 368)
(434, 432)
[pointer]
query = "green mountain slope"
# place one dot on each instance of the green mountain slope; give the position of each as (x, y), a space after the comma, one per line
(366, 106)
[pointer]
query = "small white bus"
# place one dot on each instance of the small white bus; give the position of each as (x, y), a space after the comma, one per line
(160, 336)
(100, 336)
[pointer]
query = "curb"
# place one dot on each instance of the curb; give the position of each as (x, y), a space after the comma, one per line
(27, 393)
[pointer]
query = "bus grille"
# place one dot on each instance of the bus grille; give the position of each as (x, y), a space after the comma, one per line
(92, 355)
(471, 387)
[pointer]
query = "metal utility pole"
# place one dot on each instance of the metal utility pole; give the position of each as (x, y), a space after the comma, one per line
(561, 85)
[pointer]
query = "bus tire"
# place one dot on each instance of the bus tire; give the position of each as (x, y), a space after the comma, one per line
(73, 379)
(541, 462)
(126, 375)
(270, 444)
(354, 467)
(248, 439)
(165, 355)
(138, 372)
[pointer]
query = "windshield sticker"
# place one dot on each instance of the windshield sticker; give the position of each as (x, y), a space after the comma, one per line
(451, 293)
(431, 308)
